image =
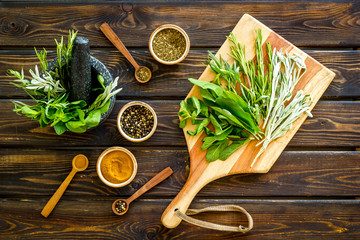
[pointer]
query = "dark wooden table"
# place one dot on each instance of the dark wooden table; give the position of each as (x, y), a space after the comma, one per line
(312, 191)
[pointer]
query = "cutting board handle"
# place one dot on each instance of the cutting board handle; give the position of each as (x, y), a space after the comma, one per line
(182, 200)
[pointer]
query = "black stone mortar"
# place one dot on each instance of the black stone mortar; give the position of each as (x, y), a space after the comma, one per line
(97, 67)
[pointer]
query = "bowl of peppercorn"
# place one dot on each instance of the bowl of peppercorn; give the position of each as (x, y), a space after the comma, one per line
(169, 44)
(137, 121)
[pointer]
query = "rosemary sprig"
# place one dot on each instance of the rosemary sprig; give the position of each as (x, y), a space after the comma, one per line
(264, 98)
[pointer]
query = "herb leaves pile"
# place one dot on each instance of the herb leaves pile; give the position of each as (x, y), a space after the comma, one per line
(49, 90)
(248, 100)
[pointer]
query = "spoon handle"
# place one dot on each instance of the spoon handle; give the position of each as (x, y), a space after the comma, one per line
(57, 195)
(114, 39)
(161, 176)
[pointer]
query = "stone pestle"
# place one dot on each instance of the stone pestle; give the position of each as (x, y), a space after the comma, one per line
(80, 75)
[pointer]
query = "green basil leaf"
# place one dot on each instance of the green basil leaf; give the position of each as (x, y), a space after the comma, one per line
(81, 115)
(207, 85)
(50, 112)
(225, 114)
(214, 151)
(199, 127)
(207, 142)
(77, 104)
(216, 124)
(206, 94)
(182, 123)
(60, 128)
(196, 104)
(224, 133)
(93, 119)
(184, 111)
(234, 108)
(76, 126)
(204, 109)
(101, 80)
(229, 150)
(208, 132)
(237, 98)
(190, 105)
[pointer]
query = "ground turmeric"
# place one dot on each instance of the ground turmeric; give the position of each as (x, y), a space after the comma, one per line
(116, 167)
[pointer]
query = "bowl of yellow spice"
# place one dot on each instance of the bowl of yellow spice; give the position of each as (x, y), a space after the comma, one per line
(169, 44)
(116, 167)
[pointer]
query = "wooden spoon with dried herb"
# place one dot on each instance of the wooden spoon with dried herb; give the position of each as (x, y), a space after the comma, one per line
(142, 73)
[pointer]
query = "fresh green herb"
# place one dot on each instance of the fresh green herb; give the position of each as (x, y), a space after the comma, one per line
(263, 97)
(50, 93)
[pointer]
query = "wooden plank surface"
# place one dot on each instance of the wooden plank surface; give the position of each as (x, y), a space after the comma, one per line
(310, 193)
(174, 78)
(330, 24)
(38, 172)
(93, 218)
(335, 124)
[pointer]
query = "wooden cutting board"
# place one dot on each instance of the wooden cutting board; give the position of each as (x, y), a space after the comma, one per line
(314, 82)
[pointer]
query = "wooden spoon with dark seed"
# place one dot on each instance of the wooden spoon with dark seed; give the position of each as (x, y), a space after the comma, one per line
(124, 203)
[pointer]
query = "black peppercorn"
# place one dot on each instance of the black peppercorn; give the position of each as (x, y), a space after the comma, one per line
(137, 121)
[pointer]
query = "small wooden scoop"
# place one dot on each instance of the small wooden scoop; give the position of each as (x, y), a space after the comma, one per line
(114, 39)
(79, 163)
(150, 184)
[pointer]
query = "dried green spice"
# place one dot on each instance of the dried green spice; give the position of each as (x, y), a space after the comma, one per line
(137, 121)
(143, 74)
(169, 44)
(120, 206)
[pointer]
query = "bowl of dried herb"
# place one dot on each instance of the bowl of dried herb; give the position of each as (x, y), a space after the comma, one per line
(137, 121)
(169, 44)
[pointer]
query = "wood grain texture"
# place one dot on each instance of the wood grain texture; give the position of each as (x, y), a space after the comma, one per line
(335, 124)
(34, 161)
(38, 172)
(93, 218)
(304, 24)
(174, 78)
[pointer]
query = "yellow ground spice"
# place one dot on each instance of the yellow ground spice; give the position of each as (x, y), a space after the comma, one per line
(116, 167)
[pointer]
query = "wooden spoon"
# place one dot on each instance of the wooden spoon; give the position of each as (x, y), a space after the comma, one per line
(150, 184)
(114, 39)
(79, 163)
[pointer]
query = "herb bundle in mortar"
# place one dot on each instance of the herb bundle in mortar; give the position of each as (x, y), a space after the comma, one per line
(262, 109)
(50, 91)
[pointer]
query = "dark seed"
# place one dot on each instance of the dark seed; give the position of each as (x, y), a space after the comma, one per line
(137, 121)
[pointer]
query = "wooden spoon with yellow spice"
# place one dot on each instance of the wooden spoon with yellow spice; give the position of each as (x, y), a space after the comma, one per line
(79, 163)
